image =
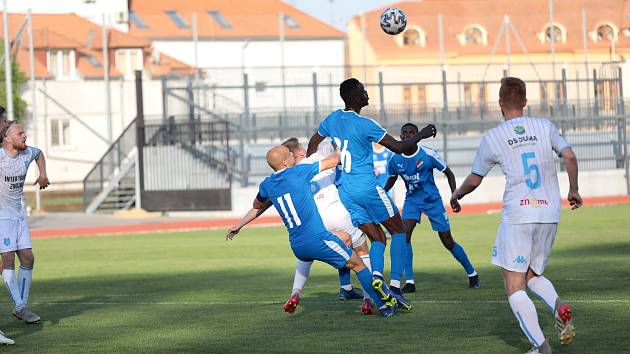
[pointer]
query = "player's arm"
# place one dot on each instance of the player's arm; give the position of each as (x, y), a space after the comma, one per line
(390, 182)
(470, 184)
(42, 180)
(570, 162)
(452, 183)
(258, 208)
(314, 143)
(329, 162)
(409, 145)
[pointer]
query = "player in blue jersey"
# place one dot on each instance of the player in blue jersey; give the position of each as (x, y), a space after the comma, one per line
(289, 189)
(423, 197)
(366, 201)
(381, 157)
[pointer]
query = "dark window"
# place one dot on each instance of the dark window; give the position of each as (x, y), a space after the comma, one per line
(137, 21)
(291, 23)
(179, 21)
(216, 15)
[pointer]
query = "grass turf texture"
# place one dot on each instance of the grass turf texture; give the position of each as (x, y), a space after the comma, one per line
(195, 292)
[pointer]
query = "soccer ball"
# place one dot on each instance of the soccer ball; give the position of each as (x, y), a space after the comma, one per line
(393, 20)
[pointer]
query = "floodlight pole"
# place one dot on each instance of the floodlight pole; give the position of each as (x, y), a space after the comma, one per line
(585, 45)
(108, 100)
(31, 56)
(552, 42)
(7, 61)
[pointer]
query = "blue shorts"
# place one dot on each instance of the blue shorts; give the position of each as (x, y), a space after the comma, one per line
(413, 209)
(368, 206)
(324, 247)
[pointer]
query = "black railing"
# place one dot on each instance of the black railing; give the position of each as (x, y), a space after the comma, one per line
(108, 164)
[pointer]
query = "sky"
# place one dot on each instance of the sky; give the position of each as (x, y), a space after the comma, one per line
(338, 12)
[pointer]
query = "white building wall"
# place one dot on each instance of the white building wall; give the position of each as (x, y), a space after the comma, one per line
(91, 10)
(88, 133)
(237, 54)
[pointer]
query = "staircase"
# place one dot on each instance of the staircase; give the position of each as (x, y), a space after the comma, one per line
(110, 185)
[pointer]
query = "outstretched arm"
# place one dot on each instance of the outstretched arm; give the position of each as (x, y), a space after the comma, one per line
(329, 162)
(570, 162)
(42, 180)
(470, 184)
(257, 210)
(390, 183)
(408, 146)
(313, 144)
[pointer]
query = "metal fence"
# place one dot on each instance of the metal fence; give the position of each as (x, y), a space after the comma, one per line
(585, 102)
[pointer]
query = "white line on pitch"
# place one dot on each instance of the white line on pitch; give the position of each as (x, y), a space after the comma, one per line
(100, 303)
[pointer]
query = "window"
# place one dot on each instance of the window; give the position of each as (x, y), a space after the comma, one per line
(554, 33)
(179, 21)
(137, 21)
(218, 18)
(606, 32)
(474, 94)
(473, 35)
(61, 63)
(59, 132)
(291, 23)
(411, 37)
(128, 61)
(415, 97)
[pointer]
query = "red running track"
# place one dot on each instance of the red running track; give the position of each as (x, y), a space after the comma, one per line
(150, 227)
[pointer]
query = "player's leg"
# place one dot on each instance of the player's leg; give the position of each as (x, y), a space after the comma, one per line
(302, 271)
(361, 249)
(397, 252)
(334, 222)
(410, 284)
(334, 252)
(361, 218)
(542, 287)
(512, 253)
(25, 275)
(9, 231)
(411, 216)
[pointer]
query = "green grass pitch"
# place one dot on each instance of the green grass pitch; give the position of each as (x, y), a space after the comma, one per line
(195, 292)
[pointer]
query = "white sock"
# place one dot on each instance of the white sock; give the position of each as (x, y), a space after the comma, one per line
(8, 275)
(525, 313)
(302, 271)
(25, 276)
(410, 281)
(394, 283)
(543, 288)
(368, 265)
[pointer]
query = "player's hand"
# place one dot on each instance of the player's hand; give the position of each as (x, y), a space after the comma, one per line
(428, 131)
(455, 205)
(575, 200)
(232, 231)
(42, 181)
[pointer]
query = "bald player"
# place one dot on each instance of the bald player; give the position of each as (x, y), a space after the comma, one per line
(288, 188)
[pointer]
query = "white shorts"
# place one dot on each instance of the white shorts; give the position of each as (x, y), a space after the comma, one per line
(337, 218)
(522, 246)
(14, 235)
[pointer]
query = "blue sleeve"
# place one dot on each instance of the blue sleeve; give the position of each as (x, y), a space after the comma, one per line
(308, 170)
(323, 128)
(34, 153)
(262, 193)
(373, 130)
(390, 167)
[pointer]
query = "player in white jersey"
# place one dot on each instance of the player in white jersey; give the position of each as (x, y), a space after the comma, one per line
(524, 149)
(336, 219)
(15, 238)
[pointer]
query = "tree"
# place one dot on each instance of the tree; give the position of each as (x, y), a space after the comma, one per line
(18, 78)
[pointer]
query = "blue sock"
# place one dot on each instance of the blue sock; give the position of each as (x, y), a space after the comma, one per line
(409, 262)
(344, 277)
(377, 257)
(459, 254)
(397, 254)
(365, 277)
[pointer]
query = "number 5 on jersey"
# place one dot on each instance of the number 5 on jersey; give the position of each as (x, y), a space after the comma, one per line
(528, 169)
(346, 158)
